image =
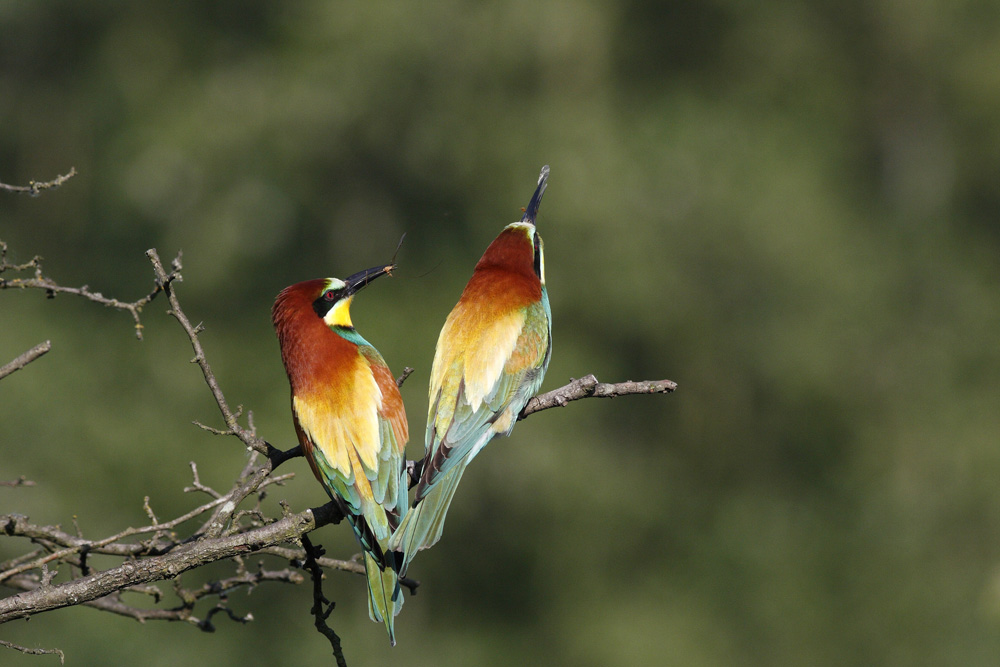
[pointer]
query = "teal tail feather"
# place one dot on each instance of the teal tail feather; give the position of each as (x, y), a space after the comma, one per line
(385, 597)
(423, 524)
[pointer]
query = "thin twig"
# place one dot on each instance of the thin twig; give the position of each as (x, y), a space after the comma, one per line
(35, 188)
(320, 614)
(192, 331)
(35, 651)
(17, 524)
(353, 566)
(585, 387)
(251, 479)
(25, 359)
(207, 625)
(407, 371)
(196, 485)
(39, 281)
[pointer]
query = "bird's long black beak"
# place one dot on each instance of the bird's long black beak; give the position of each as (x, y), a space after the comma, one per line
(536, 199)
(360, 279)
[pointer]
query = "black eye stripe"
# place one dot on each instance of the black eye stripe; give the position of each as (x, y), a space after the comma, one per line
(325, 301)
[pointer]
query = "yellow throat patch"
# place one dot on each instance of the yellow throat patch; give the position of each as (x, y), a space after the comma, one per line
(340, 314)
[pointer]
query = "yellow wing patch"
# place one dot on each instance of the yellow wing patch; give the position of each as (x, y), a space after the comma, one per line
(341, 422)
(476, 350)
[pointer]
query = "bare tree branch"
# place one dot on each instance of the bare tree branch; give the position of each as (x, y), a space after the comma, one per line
(35, 188)
(156, 552)
(252, 476)
(320, 614)
(35, 651)
(587, 387)
(169, 565)
(163, 280)
(25, 359)
(198, 486)
(39, 281)
(114, 604)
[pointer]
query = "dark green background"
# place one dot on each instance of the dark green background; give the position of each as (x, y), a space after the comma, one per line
(789, 208)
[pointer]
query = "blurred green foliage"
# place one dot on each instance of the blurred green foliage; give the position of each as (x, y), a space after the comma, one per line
(788, 208)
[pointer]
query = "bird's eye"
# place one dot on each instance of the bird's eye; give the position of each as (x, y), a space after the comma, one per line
(329, 295)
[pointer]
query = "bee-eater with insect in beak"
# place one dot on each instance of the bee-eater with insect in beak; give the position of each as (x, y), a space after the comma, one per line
(491, 355)
(349, 418)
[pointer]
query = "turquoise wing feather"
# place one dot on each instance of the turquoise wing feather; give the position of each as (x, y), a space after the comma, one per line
(373, 518)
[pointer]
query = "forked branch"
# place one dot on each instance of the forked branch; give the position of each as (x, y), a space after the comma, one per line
(156, 552)
(52, 288)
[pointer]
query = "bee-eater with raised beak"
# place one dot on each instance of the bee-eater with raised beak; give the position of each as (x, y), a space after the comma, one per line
(349, 418)
(491, 355)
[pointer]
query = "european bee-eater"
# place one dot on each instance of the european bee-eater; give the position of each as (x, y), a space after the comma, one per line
(349, 418)
(490, 358)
